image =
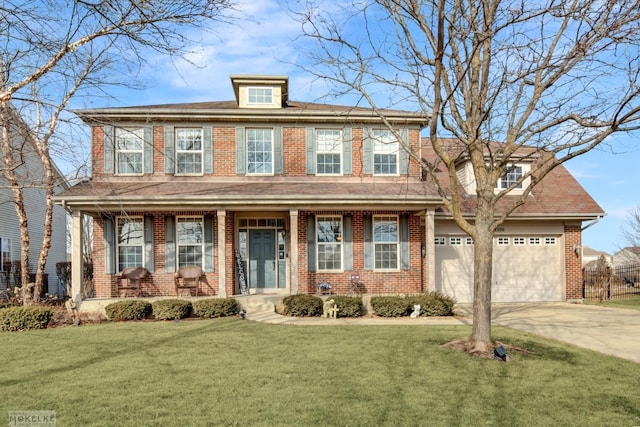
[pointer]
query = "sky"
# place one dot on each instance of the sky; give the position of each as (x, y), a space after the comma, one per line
(269, 44)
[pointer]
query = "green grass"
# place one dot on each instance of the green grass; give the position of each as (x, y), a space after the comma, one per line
(628, 302)
(234, 372)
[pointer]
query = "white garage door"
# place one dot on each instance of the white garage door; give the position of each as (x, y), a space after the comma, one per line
(525, 269)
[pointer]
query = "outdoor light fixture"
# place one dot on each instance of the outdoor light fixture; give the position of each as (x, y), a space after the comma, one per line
(578, 250)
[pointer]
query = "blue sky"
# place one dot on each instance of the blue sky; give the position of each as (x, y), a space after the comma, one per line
(266, 45)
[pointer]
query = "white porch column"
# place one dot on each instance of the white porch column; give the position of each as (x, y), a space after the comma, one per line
(222, 254)
(293, 249)
(430, 248)
(76, 256)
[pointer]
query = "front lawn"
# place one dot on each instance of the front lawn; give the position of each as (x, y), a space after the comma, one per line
(234, 372)
(628, 302)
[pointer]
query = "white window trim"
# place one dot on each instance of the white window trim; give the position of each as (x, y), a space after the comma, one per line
(440, 241)
(469, 241)
(375, 136)
(200, 151)
(519, 241)
(246, 154)
(535, 241)
(550, 241)
(339, 243)
(177, 240)
(139, 132)
(503, 241)
(339, 152)
(128, 219)
(455, 241)
(526, 168)
(397, 243)
(263, 95)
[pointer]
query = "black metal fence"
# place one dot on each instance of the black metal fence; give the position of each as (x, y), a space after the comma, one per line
(603, 282)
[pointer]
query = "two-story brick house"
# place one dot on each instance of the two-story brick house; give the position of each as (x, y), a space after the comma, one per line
(296, 194)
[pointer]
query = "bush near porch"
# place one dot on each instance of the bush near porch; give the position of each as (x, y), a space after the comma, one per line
(431, 304)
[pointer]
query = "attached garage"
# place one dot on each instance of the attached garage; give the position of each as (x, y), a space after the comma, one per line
(528, 265)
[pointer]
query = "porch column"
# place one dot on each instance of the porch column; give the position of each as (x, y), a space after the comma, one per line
(222, 253)
(430, 248)
(76, 256)
(293, 249)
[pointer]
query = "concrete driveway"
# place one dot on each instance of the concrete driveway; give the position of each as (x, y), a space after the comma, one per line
(611, 331)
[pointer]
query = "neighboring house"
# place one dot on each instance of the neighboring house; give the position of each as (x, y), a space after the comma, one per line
(626, 256)
(31, 173)
(299, 194)
(591, 256)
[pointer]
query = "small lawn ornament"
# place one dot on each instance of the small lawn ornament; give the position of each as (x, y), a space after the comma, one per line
(416, 311)
(330, 309)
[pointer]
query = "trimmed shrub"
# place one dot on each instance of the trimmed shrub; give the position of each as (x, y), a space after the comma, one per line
(433, 304)
(171, 309)
(348, 306)
(7, 304)
(128, 310)
(24, 318)
(215, 307)
(390, 306)
(302, 305)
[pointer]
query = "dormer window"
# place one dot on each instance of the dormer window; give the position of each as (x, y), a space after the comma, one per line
(511, 176)
(260, 95)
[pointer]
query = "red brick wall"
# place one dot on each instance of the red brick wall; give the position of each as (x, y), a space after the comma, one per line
(401, 281)
(573, 261)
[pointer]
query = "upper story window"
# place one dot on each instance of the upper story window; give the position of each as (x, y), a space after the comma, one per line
(260, 95)
(511, 176)
(188, 151)
(190, 239)
(259, 151)
(130, 242)
(129, 151)
(329, 151)
(386, 242)
(385, 153)
(329, 238)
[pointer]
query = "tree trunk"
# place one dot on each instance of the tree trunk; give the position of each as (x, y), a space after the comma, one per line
(47, 165)
(480, 339)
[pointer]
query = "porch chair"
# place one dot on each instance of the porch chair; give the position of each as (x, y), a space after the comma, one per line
(129, 280)
(188, 277)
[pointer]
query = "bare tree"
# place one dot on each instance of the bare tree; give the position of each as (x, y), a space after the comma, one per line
(631, 228)
(545, 81)
(52, 51)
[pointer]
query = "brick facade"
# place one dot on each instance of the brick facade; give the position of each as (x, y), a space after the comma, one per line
(573, 261)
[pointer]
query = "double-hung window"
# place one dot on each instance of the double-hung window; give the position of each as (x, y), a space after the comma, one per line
(129, 151)
(386, 242)
(329, 238)
(259, 151)
(130, 242)
(190, 239)
(385, 153)
(329, 151)
(188, 151)
(511, 176)
(260, 95)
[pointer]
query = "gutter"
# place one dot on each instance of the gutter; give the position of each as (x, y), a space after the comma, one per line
(594, 222)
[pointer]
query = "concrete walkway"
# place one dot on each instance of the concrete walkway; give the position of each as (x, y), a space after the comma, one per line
(611, 331)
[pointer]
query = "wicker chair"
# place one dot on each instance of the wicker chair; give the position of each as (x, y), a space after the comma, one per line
(129, 280)
(189, 278)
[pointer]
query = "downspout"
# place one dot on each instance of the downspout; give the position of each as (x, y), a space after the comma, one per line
(594, 222)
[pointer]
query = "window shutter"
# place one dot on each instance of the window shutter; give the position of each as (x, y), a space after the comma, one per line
(278, 152)
(109, 149)
(367, 161)
(311, 151)
(368, 242)
(240, 163)
(347, 152)
(311, 243)
(207, 144)
(148, 149)
(208, 243)
(170, 244)
(169, 152)
(404, 242)
(404, 153)
(348, 242)
(109, 246)
(148, 242)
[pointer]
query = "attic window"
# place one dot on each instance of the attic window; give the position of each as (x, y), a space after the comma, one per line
(260, 95)
(511, 176)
